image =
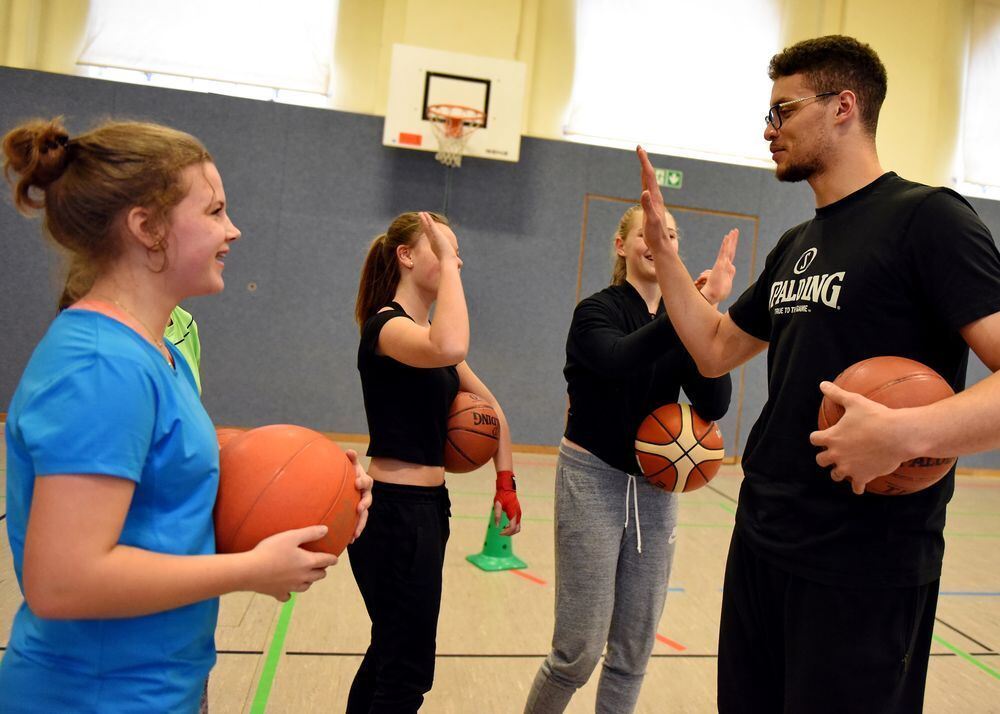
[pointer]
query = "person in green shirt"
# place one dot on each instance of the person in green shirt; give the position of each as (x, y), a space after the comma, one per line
(182, 330)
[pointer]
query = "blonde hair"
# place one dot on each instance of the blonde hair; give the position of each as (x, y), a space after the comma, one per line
(380, 272)
(84, 185)
(618, 270)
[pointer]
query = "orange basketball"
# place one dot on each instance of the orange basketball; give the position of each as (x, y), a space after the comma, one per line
(279, 477)
(473, 433)
(897, 383)
(677, 449)
(225, 434)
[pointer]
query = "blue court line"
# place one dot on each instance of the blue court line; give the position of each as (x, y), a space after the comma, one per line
(970, 593)
(675, 590)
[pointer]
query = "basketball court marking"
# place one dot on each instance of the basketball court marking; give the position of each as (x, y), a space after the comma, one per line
(528, 576)
(967, 657)
(969, 593)
(670, 643)
(259, 705)
(970, 639)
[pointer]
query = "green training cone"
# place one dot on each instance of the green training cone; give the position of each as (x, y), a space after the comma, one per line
(498, 551)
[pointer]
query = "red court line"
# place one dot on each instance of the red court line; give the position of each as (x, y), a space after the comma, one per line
(670, 643)
(528, 576)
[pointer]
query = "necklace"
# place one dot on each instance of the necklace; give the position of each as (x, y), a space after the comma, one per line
(158, 341)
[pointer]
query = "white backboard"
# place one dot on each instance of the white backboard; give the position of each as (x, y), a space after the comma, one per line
(422, 77)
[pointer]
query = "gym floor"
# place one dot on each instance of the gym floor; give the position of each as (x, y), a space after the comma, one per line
(495, 628)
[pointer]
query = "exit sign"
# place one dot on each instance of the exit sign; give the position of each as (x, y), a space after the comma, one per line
(671, 178)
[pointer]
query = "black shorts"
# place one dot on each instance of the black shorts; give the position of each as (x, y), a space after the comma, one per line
(792, 645)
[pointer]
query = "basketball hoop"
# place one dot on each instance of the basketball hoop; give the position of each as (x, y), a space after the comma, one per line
(453, 125)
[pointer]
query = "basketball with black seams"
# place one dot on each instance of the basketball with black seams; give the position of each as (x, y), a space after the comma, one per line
(282, 477)
(677, 450)
(898, 383)
(473, 433)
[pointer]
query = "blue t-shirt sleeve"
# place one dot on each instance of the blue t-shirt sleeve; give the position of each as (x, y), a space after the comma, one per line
(97, 419)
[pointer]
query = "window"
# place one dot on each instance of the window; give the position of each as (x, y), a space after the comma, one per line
(253, 48)
(681, 77)
(979, 157)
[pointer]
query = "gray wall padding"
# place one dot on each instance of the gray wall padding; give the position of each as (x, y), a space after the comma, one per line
(309, 189)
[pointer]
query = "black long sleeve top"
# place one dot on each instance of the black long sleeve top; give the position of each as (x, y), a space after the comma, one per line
(621, 364)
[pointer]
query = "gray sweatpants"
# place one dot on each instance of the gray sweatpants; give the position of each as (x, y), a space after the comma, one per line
(606, 591)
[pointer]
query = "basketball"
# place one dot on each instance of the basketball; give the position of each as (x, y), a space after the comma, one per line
(678, 450)
(225, 434)
(895, 382)
(473, 433)
(279, 477)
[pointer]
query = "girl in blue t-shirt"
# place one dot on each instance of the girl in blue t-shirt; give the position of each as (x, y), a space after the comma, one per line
(112, 462)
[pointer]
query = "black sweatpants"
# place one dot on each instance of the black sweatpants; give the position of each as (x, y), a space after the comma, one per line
(791, 645)
(397, 563)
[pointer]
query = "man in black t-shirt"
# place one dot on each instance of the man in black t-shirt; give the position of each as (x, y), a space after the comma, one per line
(830, 592)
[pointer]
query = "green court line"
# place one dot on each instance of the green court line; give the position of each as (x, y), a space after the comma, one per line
(967, 657)
(726, 507)
(950, 534)
(259, 705)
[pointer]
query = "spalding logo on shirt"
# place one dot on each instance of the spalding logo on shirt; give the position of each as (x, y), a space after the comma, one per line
(803, 263)
(817, 289)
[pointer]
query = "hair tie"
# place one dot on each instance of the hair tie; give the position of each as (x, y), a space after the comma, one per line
(58, 142)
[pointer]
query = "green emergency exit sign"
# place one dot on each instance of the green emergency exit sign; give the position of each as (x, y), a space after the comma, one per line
(671, 178)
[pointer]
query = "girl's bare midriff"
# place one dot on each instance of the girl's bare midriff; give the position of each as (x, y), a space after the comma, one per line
(389, 470)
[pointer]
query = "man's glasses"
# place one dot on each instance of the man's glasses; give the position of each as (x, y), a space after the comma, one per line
(774, 114)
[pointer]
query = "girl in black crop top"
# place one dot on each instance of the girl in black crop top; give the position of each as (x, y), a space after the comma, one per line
(623, 360)
(411, 371)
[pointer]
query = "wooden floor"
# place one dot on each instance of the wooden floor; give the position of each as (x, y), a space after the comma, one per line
(496, 627)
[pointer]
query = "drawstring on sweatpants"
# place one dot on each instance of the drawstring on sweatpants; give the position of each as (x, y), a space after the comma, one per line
(632, 486)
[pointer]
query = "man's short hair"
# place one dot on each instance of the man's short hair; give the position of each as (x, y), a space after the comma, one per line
(834, 63)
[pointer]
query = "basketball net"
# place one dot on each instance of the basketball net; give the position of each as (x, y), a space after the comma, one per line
(453, 125)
